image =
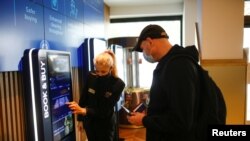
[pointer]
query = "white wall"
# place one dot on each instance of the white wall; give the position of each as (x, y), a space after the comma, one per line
(221, 27)
(189, 18)
(142, 11)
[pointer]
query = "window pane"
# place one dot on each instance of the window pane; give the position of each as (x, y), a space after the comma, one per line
(246, 41)
(145, 72)
(247, 8)
(133, 29)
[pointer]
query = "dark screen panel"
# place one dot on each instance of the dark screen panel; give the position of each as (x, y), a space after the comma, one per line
(60, 92)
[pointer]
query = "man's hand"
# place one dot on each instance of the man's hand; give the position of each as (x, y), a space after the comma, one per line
(136, 118)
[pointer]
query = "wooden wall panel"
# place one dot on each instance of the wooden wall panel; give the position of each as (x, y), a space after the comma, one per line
(230, 75)
(11, 107)
(12, 112)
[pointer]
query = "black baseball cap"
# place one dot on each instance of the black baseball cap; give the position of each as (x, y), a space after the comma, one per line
(153, 31)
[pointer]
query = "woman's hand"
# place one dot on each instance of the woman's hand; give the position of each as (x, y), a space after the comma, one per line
(75, 108)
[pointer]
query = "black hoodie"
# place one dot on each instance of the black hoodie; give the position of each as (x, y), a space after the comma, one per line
(173, 92)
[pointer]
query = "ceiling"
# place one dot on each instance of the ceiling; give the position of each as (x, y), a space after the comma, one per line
(119, 3)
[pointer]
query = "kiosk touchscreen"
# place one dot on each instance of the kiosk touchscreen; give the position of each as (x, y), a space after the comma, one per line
(48, 86)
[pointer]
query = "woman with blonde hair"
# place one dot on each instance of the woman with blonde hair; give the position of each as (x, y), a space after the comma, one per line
(96, 105)
(106, 60)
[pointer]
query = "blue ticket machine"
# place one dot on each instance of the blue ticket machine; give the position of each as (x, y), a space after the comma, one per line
(48, 86)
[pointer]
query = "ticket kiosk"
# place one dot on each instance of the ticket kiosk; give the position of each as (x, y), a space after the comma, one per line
(47, 87)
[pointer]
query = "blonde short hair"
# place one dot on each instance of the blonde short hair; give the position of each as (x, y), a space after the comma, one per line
(107, 59)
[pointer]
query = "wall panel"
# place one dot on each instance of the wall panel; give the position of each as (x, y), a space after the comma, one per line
(230, 75)
(12, 112)
(12, 109)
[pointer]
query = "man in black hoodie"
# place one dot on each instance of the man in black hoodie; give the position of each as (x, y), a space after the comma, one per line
(171, 114)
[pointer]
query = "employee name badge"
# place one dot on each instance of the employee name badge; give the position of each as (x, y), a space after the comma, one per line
(108, 94)
(92, 91)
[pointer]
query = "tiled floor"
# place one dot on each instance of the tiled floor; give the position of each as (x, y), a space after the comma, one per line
(132, 134)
